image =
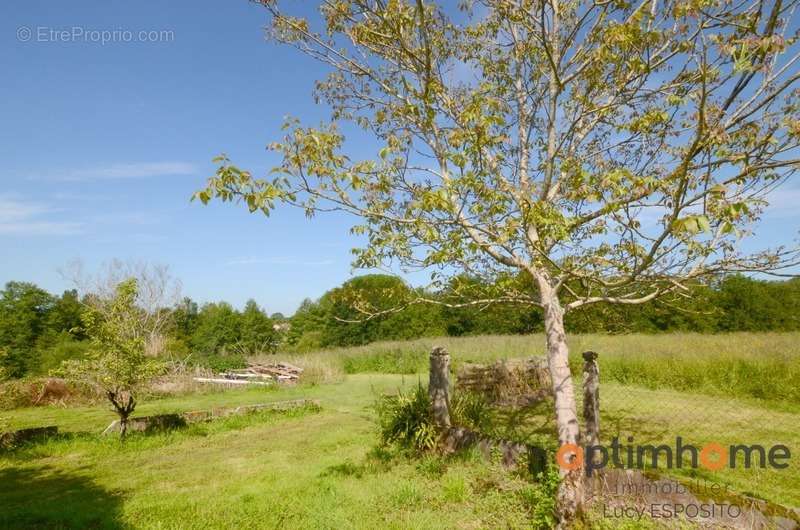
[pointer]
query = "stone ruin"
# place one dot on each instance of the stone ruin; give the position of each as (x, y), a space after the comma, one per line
(517, 382)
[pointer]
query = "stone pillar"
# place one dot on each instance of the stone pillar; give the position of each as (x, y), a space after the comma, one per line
(439, 387)
(591, 398)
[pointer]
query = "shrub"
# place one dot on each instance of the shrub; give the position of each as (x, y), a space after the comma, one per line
(14, 394)
(221, 363)
(37, 391)
(405, 420)
(65, 348)
(541, 499)
(307, 342)
(470, 410)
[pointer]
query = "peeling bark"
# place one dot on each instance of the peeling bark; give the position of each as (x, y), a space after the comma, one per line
(570, 492)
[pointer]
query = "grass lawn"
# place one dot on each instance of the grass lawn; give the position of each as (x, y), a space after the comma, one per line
(323, 469)
(301, 470)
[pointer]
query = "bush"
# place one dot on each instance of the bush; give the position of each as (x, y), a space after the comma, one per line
(14, 394)
(541, 499)
(307, 342)
(405, 420)
(65, 348)
(40, 391)
(220, 363)
(471, 411)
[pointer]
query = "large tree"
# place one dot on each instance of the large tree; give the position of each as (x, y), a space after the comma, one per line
(614, 150)
(24, 309)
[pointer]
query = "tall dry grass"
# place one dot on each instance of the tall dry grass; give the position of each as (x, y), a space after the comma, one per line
(756, 365)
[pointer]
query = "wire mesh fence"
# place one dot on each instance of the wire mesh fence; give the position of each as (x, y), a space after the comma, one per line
(744, 446)
(733, 446)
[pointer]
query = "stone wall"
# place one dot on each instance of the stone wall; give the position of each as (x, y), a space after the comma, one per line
(171, 421)
(14, 438)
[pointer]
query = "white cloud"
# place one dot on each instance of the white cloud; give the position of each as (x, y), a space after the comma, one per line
(279, 261)
(128, 218)
(71, 197)
(25, 218)
(121, 171)
(12, 209)
(41, 228)
(783, 203)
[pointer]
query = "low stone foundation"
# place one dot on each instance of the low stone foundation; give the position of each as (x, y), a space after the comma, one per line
(14, 438)
(172, 421)
(512, 453)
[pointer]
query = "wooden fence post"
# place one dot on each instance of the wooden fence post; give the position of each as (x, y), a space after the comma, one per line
(591, 397)
(439, 387)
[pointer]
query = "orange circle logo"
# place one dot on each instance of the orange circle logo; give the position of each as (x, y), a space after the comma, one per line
(569, 457)
(713, 449)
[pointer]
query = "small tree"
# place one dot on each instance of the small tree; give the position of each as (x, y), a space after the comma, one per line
(116, 365)
(613, 152)
(157, 293)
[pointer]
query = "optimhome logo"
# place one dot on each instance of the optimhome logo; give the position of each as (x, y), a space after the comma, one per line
(712, 456)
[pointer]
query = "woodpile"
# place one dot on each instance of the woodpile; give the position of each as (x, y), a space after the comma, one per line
(507, 382)
(279, 371)
(257, 374)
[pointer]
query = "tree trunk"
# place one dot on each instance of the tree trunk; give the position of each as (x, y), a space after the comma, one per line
(124, 404)
(570, 490)
(123, 426)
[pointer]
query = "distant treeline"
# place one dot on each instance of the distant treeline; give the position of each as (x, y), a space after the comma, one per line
(38, 330)
(735, 303)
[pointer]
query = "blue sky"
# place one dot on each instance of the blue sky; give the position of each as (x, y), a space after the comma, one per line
(103, 144)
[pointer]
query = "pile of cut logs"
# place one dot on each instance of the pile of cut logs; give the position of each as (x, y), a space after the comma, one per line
(257, 374)
(278, 371)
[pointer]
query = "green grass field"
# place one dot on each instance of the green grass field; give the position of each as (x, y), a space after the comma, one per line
(324, 469)
(301, 470)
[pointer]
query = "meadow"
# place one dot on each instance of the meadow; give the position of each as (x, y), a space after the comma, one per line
(326, 468)
(760, 366)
